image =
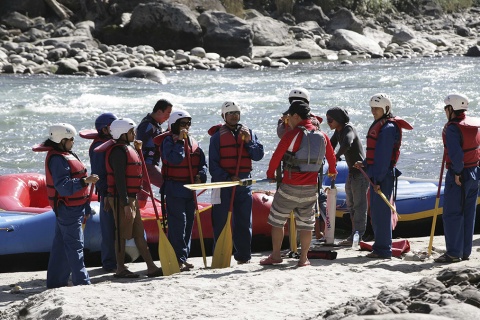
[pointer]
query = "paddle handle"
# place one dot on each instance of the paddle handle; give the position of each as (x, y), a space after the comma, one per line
(149, 187)
(437, 201)
(380, 193)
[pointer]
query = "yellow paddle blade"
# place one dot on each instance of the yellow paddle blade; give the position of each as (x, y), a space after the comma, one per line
(222, 254)
(200, 233)
(168, 258)
(292, 233)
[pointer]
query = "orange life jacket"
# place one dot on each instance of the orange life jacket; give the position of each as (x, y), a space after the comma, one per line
(372, 137)
(181, 171)
(469, 129)
(133, 172)
(229, 152)
(77, 170)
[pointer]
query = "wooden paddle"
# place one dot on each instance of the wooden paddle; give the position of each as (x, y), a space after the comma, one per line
(195, 200)
(437, 201)
(166, 253)
(84, 223)
(223, 246)
(225, 184)
(380, 193)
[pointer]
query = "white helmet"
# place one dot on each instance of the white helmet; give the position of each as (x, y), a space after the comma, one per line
(381, 100)
(229, 106)
(174, 116)
(457, 101)
(121, 126)
(299, 93)
(60, 131)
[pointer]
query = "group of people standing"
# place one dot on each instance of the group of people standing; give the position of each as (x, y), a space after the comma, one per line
(120, 164)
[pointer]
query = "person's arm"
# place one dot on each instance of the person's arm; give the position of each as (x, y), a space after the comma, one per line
(454, 148)
(62, 181)
(173, 152)
(387, 136)
(277, 155)
(118, 162)
(348, 136)
(202, 167)
(330, 156)
(254, 147)
(145, 133)
(217, 172)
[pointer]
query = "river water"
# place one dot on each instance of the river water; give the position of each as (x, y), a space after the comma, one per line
(29, 104)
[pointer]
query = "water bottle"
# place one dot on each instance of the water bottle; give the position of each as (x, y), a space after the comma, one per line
(356, 239)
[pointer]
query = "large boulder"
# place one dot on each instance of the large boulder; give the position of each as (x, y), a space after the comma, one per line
(226, 34)
(310, 13)
(352, 41)
(164, 26)
(17, 20)
(344, 19)
(268, 31)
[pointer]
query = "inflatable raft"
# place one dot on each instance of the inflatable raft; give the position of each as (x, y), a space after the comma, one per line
(415, 204)
(27, 222)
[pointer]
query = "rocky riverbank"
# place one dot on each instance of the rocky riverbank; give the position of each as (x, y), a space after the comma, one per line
(215, 39)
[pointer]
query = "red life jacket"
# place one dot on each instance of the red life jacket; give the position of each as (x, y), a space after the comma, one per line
(133, 172)
(470, 135)
(95, 140)
(229, 152)
(181, 171)
(372, 137)
(77, 170)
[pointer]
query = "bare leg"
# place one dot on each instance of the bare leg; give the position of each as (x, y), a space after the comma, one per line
(277, 239)
(305, 239)
(145, 253)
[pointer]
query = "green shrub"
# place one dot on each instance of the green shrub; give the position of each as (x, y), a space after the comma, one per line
(359, 6)
(284, 6)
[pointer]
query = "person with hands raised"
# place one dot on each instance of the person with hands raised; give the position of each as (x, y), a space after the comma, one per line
(228, 143)
(177, 148)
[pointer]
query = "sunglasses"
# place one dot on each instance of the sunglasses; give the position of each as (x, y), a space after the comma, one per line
(185, 123)
(446, 107)
(330, 120)
(233, 113)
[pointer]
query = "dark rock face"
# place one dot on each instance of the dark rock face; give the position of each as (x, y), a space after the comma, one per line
(226, 34)
(454, 294)
(163, 26)
(473, 51)
(310, 13)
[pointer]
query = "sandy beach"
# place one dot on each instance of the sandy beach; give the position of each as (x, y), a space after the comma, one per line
(248, 291)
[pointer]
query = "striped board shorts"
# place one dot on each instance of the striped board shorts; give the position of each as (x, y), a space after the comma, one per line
(299, 199)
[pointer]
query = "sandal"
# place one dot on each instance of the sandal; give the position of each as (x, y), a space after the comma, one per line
(374, 255)
(189, 265)
(445, 258)
(157, 273)
(270, 261)
(126, 274)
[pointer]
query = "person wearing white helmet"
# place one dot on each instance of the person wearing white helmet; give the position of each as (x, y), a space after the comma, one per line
(183, 162)
(97, 163)
(461, 140)
(229, 143)
(302, 94)
(124, 180)
(68, 195)
(384, 139)
(147, 130)
(302, 150)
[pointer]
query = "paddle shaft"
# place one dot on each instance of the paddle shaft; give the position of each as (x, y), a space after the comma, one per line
(437, 200)
(167, 255)
(195, 200)
(379, 192)
(223, 247)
